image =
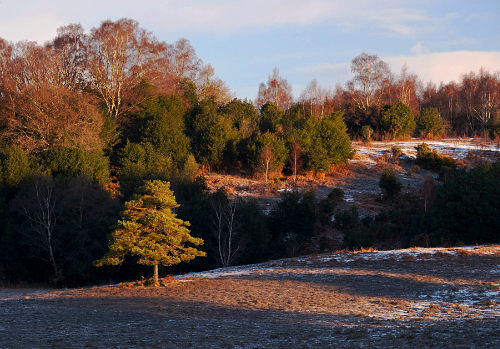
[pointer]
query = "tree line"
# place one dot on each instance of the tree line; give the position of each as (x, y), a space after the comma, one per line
(87, 118)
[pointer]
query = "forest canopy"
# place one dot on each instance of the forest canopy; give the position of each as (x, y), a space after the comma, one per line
(88, 118)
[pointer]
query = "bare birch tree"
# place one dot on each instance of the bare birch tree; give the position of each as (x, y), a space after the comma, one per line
(295, 158)
(224, 227)
(38, 205)
(369, 75)
(276, 90)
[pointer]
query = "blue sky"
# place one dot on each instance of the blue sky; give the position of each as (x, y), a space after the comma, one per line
(245, 40)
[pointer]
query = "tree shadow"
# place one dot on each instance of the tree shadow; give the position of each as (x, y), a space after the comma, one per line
(165, 323)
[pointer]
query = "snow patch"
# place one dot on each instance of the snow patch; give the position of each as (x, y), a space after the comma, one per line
(455, 147)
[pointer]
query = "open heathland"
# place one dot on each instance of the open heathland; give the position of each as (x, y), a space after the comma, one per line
(420, 297)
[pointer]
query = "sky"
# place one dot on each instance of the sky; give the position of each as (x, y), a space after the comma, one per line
(305, 39)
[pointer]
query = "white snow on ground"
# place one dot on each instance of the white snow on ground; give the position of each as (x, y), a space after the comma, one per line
(346, 258)
(455, 147)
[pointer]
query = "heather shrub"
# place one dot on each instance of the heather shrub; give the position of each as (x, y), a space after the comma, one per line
(433, 161)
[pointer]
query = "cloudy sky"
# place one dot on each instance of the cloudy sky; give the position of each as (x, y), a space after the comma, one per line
(305, 39)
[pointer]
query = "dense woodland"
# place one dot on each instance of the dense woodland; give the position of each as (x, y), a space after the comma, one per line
(86, 118)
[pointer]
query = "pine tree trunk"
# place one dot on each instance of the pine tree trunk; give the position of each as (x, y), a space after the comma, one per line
(155, 275)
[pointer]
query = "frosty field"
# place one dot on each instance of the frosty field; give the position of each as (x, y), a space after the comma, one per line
(418, 297)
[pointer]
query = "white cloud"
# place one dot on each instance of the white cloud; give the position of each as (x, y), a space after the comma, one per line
(401, 21)
(228, 16)
(446, 66)
(435, 67)
(41, 18)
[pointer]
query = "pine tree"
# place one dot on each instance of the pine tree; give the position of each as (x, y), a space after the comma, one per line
(149, 229)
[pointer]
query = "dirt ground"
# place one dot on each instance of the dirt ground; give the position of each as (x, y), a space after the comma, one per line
(442, 298)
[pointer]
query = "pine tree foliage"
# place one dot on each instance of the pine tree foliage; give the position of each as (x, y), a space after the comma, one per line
(149, 229)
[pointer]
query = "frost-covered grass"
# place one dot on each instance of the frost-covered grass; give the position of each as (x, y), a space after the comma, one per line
(347, 257)
(419, 297)
(447, 292)
(454, 147)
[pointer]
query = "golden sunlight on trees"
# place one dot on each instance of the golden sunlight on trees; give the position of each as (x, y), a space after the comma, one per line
(370, 72)
(315, 97)
(40, 107)
(119, 55)
(88, 117)
(277, 90)
(211, 87)
(184, 62)
(149, 229)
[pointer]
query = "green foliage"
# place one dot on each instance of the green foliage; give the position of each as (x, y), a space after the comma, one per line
(335, 138)
(429, 122)
(356, 118)
(293, 119)
(317, 158)
(72, 162)
(367, 133)
(325, 142)
(397, 120)
(465, 211)
(163, 127)
(190, 168)
(396, 226)
(270, 117)
(194, 199)
(10, 255)
(494, 125)
(292, 222)
(110, 135)
(188, 92)
(433, 161)
(467, 207)
(138, 162)
(244, 116)
(149, 229)
(326, 207)
(389, 183)
(277, 145)
(15, 166)
(86, 213)
(210, 133)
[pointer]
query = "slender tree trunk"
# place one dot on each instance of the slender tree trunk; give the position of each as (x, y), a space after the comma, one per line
(230, 221)
(267, 169)
(295, 168)
(51, 253)
(155, 275)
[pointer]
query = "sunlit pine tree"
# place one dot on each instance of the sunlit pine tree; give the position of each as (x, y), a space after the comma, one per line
(149, 229)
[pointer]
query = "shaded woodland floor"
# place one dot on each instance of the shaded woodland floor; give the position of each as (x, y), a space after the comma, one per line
(446, 298)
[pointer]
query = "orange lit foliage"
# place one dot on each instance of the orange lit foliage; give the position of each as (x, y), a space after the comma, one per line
(40, 107)
(277, 90)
